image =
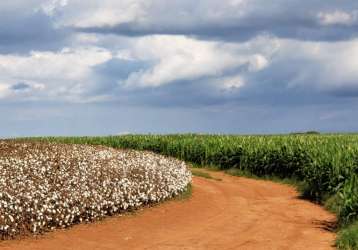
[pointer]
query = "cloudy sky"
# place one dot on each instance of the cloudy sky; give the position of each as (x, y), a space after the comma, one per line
(74, 67)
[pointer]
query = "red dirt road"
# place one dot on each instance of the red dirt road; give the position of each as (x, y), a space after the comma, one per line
(235, 213)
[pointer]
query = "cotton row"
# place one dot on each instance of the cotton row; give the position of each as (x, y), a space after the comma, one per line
(47, 186)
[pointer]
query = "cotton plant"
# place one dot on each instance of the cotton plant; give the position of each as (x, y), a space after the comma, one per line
(46, 186)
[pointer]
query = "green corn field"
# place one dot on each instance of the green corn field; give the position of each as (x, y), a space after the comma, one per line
(326, 164)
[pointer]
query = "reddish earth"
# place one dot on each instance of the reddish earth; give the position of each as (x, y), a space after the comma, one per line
(235, 213)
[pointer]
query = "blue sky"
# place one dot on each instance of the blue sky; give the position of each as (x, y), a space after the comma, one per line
(72, 67)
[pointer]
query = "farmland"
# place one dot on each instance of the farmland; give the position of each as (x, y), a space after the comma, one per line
(223, 212)
(325, 166)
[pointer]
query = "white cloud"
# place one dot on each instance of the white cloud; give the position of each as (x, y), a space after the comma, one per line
(237, 2)
(69, 73)
(181, 58)
(69, 63)
(327, 65)
(93, 13)
(86, 38)
(63, 74)
(145, 13)
(232, 82)
(4, 90)
(50, 7)
(338, 17)
(257, 62)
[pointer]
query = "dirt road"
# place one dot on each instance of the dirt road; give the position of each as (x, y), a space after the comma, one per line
(235, 213)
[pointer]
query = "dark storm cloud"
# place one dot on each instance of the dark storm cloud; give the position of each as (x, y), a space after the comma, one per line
(282, 84)
(302, 29)
(40, 119)
(110, 73)
(21, 33)
(20, 86)
(177, 94)
(279, 84)
(286, 19)
(350, 91)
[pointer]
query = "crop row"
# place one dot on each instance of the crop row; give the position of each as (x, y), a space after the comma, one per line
(45, 186)
(327, 164)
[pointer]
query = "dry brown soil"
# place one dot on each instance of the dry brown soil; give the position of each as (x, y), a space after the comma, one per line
(235, 213)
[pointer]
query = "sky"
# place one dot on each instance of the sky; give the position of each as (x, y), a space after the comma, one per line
(74, 67)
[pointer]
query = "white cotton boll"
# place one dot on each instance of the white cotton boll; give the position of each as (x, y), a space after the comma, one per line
(88, 183)
(11, 218)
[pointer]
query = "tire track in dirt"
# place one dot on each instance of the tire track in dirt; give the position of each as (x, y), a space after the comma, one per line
(235, 213)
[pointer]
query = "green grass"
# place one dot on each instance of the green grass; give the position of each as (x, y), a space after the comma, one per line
(205, 175)
(324, 167)
(186, 194)
(347, 238)
(299, 185)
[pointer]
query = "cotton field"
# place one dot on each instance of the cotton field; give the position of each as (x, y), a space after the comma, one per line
(45, 186)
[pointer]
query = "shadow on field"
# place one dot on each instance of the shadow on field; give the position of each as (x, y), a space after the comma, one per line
(330, 226)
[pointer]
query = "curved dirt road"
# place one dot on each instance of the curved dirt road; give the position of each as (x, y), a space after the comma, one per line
(235, 213)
